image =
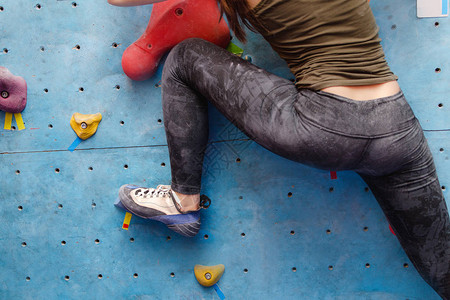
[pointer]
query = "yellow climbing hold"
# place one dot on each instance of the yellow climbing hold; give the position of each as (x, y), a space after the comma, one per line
(85, 125)
(208, 275)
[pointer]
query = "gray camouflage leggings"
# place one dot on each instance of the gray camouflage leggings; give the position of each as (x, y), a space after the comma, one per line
(380, 139)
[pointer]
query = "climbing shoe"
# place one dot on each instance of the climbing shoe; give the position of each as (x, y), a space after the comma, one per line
(161, 205)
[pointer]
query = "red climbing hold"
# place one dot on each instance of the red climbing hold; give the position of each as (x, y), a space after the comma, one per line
(333, 175)
(170, 23)
(13, 92)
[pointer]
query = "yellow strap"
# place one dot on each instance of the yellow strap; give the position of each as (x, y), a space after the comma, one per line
(19, 121)
(126, 221)
(8, 120)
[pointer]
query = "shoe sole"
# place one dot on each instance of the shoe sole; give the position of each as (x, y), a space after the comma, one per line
(185, 224)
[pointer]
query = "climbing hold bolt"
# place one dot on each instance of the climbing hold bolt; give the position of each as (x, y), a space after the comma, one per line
(208, 275)
(5, 94)
(85, 126)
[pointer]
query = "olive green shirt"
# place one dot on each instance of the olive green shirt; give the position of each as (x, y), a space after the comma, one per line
(325, 42)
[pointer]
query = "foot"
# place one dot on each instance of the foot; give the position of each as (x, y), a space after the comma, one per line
(160, 204)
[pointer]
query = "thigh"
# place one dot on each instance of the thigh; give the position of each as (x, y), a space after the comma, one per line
(413, 203)
(257, 102)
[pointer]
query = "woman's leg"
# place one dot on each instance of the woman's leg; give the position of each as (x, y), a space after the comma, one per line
(412, 201)
(259, 103)
(256, 101)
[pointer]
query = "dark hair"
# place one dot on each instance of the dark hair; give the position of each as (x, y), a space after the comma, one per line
(238, 13)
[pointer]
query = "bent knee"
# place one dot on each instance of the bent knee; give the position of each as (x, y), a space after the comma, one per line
(185, 51)
(183, 57)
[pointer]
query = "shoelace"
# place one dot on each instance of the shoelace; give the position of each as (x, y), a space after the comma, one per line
(151, 193)
(161, 191)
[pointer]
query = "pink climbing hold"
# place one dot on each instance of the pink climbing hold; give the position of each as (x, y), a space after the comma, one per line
(170, 23)
(13, 92)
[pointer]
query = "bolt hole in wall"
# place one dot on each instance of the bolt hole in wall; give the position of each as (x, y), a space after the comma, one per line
(46, 90)
(74, 4)
(437, 70)
(42, 48)
(66, 278)
(38, 6)
(441, 150)
(135, 275)
(393, 27)
(122, 123)
(1, 8)
(81, 89)
(172, 274)
(100, 276)
(28, 278)
(5, 50)
(117, 87)
(77, 47)
(436, 24)
(367, 265)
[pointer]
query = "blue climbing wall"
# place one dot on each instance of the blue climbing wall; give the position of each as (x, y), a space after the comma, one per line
(283, 230)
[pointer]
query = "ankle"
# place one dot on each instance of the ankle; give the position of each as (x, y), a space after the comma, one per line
(188, 202)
